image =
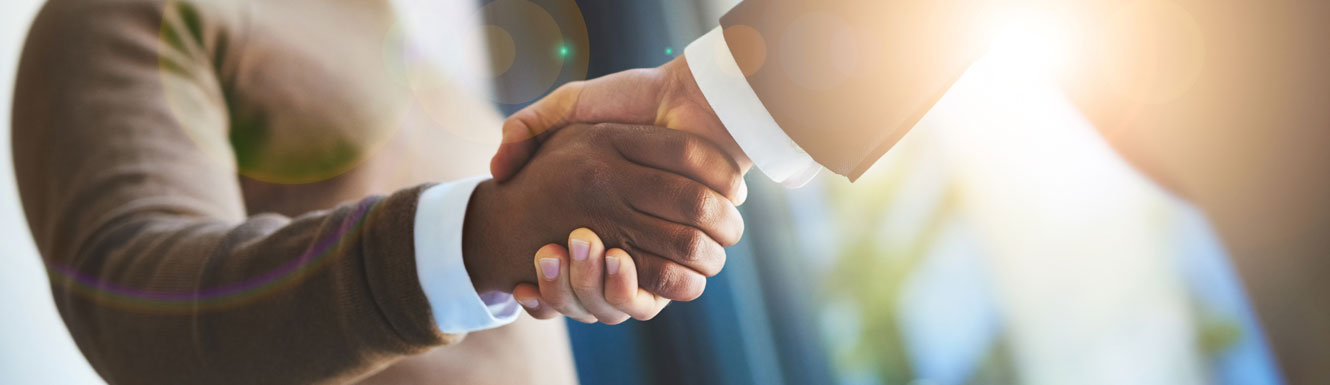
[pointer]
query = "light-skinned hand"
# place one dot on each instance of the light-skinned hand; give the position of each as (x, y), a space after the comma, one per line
(587, 283)
(665, 96)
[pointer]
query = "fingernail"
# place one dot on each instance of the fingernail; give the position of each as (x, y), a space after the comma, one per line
(530, 303)
(550, 268)
(580, 249)
(612, 264)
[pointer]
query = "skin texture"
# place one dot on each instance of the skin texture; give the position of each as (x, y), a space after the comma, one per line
(664, 96)
(587, 289)
(665, 196)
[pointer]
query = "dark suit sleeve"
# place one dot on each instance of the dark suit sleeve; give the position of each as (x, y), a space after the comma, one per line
(123, 163)
(846, 79)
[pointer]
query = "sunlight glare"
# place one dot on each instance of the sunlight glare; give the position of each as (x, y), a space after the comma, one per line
(1030, 41)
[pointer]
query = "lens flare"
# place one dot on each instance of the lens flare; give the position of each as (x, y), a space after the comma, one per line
(222, 297)
(548, 43)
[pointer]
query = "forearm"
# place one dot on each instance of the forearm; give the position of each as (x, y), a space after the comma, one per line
(682, 99)
(153, 297)
(489, 242)
(158, 273)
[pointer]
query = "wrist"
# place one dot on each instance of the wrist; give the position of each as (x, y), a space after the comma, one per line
(682, 101)
(486, 261)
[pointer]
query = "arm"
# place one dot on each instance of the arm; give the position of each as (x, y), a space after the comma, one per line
(1249, 166)
(845, 80)
(126, 175)
(824, 76)
(157, 271)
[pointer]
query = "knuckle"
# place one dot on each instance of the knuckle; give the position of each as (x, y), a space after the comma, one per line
(696, 204)
(586, 288)
(557, 302)
(691, 149)
(656, 280)
(692, 199)
(678, 284)
(618, 301)
(703, 254)
(691, 244)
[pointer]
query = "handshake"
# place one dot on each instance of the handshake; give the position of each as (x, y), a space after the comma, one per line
(640, 171)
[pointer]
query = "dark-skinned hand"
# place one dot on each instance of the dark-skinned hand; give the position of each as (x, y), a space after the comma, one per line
(664, 196)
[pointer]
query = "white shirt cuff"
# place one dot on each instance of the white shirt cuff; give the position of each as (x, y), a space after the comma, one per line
(741, 111)
(438, 237)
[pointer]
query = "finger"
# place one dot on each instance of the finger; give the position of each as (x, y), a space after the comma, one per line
(685, 245)
(528, 296)
(588, 276)
(685, 154)
(521, 129)
(621, 289)
(667, 278)
(552, 272)
(511, 157)
(743, 192)
(677, 199)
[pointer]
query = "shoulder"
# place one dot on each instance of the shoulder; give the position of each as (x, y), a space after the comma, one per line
(86, 24)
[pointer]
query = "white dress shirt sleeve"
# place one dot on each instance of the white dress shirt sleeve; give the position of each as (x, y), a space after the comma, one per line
(457, 307)
(727, 91)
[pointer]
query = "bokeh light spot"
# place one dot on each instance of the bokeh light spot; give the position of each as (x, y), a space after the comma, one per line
(502, 49)
(550, 46)
(748, 47)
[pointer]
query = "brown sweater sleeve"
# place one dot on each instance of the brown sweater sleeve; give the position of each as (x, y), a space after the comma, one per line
(120, 145)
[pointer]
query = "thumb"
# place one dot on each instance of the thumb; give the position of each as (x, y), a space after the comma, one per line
(522, 128)
(511, 157)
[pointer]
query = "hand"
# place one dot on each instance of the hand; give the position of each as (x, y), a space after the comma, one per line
(663, 195)
(593, 285)
(663, 96)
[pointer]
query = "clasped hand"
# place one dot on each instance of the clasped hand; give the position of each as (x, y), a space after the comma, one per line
(662, 204)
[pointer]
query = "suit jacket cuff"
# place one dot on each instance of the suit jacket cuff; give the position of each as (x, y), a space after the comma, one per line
(456, 305)
(727, 91)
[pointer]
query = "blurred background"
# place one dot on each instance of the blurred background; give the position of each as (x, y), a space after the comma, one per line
(1001, 242)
